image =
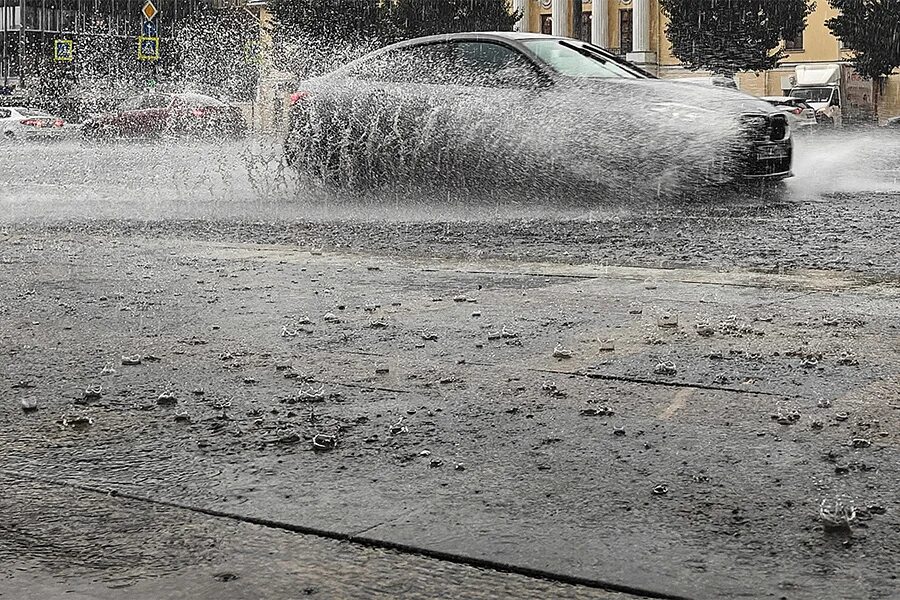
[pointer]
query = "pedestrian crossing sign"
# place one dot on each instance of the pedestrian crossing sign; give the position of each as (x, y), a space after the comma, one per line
(148, 48)
(63, 50)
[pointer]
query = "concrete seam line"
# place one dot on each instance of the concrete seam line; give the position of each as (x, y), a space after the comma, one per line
(364, 541)
(641, 381)
(678, 384)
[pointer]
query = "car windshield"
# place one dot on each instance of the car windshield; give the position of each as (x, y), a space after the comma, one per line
(817, 94)
(28, 112)
(575, 59)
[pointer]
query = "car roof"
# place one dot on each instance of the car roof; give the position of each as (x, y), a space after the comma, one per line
(495, 36)
(780, 98)
(195, 97)
(478, 35)
(515, 37)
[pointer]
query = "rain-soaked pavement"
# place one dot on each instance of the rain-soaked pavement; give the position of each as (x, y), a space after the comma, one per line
(649, 397)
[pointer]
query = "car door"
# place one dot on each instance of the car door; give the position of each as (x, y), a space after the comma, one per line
(381, 107)
(441, 106)
(496, 93)
(152, 118)
(124, 119)
(416, 118)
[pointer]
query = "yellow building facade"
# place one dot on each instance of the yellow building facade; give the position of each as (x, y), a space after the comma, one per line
(636, 30)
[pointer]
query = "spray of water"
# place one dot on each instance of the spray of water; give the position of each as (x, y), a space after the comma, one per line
(608, 140)
(457, 152)
(829, 161)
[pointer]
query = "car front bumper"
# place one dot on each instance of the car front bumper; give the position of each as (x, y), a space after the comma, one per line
(768, 160)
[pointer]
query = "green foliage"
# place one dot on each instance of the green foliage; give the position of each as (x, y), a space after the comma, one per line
(332, 19)
(872, 29)
(214, 52)
(727, 36)
(314, 36)
(414, 18)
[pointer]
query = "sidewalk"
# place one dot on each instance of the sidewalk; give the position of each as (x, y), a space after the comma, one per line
(673, 431)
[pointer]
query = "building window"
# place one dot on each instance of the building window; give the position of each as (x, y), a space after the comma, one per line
(625, 30)
(67, 15)
(794, 44)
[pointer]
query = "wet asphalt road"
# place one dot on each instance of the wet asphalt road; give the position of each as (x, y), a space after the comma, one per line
(838, 213)
(647, 395)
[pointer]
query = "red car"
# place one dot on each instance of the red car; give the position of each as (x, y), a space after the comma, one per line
(156, 114)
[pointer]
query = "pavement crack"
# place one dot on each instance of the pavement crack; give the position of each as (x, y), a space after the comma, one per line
(362, 540)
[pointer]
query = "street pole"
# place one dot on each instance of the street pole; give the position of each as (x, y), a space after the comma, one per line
(21, 44)
(5, 41)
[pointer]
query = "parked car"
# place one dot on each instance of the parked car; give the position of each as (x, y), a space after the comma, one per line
(157, 114)
(21, 123)
(894, 122)
(713, 80)
(798, 110)
(442, 105)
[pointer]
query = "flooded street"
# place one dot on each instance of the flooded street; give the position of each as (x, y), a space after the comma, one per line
(206, 363)
(843, 196)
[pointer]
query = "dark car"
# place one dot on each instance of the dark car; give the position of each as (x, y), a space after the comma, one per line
(157, 114)
(522, 103)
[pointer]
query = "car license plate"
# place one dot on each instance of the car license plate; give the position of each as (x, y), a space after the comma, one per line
(770, 152)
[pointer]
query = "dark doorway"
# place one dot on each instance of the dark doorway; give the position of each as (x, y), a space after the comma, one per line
(546, 24)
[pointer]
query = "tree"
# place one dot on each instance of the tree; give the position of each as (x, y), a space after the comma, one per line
(213, 51)
(727, 36)
(414, 18)
(313, 36)
(872, 30)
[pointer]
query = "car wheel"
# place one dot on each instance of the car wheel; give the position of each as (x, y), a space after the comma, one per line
(9, 135)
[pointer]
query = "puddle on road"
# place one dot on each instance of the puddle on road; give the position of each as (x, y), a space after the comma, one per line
(248, 180)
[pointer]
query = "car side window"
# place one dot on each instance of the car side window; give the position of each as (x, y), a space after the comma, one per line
(4, 114)
(493, 65)
(425, 64)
